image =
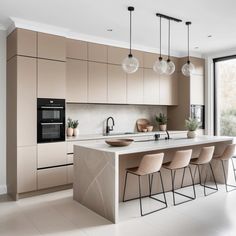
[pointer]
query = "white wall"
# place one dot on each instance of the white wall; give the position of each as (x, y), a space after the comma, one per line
(2, 111)
(92, 117)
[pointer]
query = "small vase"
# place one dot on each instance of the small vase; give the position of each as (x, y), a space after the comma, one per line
(191, 134)
(69, 132)
(162, 127)
(76, 132)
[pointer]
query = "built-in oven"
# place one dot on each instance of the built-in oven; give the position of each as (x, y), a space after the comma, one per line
(198, 112)
(50, 120)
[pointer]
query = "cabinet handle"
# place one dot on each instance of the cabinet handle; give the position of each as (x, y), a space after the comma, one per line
(60, 123)
(45, 107)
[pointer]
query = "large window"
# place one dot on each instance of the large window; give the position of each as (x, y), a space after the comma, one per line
(225, 96)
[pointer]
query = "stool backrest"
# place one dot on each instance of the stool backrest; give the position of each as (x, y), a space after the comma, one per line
(206, 154)
(228, 152)
(181, 159)
(151, 163)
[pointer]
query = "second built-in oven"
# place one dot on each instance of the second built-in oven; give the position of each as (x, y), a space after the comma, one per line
(50, 120)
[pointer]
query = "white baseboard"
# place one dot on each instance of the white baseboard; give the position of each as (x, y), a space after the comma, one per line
(3, 189)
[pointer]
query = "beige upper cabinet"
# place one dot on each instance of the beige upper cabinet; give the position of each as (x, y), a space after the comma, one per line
(135, 87)
(197, 89)
(117, 55)
(76, 49)
(151, 88)
(51, 79)
(116, 84)
(22, 42)
(76, 81)
(97, 82)
(169, 90)
(26, 101)
(97, 52)
(51, 47)
(26, 169)
(149, 59)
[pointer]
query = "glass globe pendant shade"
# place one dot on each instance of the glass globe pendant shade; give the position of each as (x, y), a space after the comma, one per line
(187, 69)
(170, 67)
(130, 64)
(160, 66)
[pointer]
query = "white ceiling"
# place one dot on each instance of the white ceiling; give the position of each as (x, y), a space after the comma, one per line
(90, 19)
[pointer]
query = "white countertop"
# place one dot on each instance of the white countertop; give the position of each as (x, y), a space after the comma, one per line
(136, 147)
(138, 134)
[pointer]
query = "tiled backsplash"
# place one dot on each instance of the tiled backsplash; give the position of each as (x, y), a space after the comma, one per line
(92, 117)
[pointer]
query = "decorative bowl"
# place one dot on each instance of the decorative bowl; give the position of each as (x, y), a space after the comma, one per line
(119, 142)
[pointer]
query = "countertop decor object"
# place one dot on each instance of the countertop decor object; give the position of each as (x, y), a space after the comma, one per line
(142, 124)
(162, 121)
(192, 125)
(69, 127)
(150, 128)
(119, 142)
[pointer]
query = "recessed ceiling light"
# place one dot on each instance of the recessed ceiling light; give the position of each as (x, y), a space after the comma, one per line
(209, 36)
(196, 47)
(109, 30)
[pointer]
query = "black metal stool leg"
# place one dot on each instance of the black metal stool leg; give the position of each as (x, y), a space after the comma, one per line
(125, 186)
(182, 182)
(205, 181)
(199, 174)
(213, 175)
(163, 190)
(222, 163)
(173, 186)
(233, 168)
(140, 196)
(194, 191)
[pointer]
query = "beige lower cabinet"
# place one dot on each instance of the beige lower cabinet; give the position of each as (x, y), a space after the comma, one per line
(51, 79)
(151, 87)
(26, 169)
(76, 81)
(52, 154)
(97, 82)
(52, 177)
(70, 174)
(135, 87)
(116, 84)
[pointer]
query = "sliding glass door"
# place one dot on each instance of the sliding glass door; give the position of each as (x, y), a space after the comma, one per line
(225, 96)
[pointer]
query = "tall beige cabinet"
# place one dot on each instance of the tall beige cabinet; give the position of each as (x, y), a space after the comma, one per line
(190, 92)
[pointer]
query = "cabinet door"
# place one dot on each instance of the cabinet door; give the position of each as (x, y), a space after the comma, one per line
(22, 42)
(26, 169)
(169, 90)
(76, 49)
(151, 88)
(26, 101)
(135, 87)
(97, 82)
(97, 52)
(51, 79)
(52, 177)
(116, 84)
(52, 154)
(70, 174)
(117, 55)
(51, 47)
(197, 89)
(76, 81)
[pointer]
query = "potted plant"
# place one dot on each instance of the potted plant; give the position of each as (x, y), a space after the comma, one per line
(192, 125)
(75, 125)
(69, 127)
(162, 121)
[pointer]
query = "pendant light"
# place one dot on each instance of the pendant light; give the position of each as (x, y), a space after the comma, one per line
(170, 64)
(188, 67)
(160, 65)
(130, 64)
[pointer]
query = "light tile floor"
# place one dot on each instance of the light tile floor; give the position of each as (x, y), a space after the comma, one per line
(57, 214)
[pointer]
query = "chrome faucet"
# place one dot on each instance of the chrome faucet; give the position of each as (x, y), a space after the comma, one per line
(108, 127)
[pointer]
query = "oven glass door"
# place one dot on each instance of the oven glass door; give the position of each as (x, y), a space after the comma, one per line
(52, 114)
(49, 132)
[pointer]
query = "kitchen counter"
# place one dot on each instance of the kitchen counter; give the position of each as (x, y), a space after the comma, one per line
(85, 137)
(99, 169)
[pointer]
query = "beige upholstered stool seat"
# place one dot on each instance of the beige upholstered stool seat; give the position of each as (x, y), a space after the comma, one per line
(149, 165)
(205, 156)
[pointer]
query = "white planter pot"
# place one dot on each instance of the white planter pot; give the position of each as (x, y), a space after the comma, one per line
(162, 127)
(191, 134)
(76, 132)
(69, 132)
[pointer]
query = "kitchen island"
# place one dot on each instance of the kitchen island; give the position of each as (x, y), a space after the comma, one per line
(99, 169)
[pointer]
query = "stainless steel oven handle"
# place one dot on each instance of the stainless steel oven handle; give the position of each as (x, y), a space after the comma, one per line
(58, 123)
(45, 107)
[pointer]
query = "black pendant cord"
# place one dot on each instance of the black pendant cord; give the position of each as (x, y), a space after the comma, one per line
(160, 57)
(188, 23)
(168, 60)
(130, 34)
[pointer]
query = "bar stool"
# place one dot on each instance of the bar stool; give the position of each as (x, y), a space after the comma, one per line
(180, 160)
(204, 158)
(226, 156)
(149, 165)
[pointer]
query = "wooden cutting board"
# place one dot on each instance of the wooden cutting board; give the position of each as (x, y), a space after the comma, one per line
(142, 124)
